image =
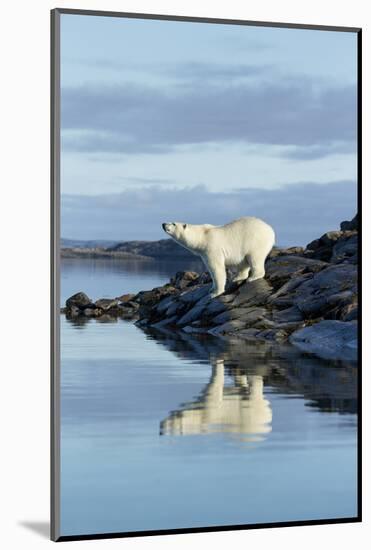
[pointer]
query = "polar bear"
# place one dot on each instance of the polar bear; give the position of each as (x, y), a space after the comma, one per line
(238, 409)
(243, 244)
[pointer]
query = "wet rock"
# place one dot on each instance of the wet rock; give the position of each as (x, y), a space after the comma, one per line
(328, 339)
(152, 297)
(164, 304)
(191, 315)
(277, 335)
(73, 311)
(90, 312)
(80, 299)
(229, 327)
(164, 322)
(249, 333)
(106, 318)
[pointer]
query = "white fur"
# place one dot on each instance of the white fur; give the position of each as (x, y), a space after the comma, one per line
(243, 244)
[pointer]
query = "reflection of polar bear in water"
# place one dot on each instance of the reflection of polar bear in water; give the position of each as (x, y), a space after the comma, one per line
(243, 244)
(240, 409)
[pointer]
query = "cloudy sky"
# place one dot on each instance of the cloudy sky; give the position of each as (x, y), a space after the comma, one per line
(204, 123)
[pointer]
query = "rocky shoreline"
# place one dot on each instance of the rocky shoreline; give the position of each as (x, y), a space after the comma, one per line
(308, 298)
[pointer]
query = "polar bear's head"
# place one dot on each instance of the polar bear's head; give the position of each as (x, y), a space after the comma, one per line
(175, 229)
(186, 234)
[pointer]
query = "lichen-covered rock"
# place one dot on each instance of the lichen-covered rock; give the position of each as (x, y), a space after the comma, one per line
(184, 279)
(106, 303)
(124, 298)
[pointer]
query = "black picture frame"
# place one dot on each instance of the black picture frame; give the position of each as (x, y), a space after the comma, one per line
(55, 143)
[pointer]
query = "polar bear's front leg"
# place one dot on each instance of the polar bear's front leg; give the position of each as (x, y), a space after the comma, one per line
(216, 267)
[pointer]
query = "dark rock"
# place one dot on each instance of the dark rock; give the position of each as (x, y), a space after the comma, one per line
(281, 269)
(195, 312)
(106, 303)
(165, 303)
(277, 335)
(90, 312)
(184, 279)
(324, 247)
(249, 333)
(253, 294)
(285, 251)
(215, 306)
(175, 307)
(349, 226)
(328, 339)
(349, 312)
(73, 311)
(229, 327)
(195, 295)
(80, 299)
(129, 305)
(313, 297)
(152, 297)
(164, 322)
(289, 315)
(106, 318)
(346, 249)
(248, 315)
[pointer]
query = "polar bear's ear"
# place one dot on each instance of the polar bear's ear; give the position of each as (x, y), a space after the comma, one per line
(184, 225)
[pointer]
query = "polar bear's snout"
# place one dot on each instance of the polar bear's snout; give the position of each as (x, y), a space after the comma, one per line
(167, 227)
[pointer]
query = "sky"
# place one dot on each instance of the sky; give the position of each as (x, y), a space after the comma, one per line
(205, 123)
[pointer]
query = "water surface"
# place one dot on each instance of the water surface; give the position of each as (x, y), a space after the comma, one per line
(164, 431)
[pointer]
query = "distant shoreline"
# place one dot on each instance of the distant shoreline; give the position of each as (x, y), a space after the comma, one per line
(165, 249)
(96, 253)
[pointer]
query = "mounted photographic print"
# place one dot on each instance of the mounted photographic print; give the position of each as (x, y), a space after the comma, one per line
(205, 222)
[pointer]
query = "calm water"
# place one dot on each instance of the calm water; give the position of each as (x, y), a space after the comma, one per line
(164, 431)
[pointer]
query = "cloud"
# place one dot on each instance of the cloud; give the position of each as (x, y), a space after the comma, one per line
(311, 152)
(135, 118)
(298, 212)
